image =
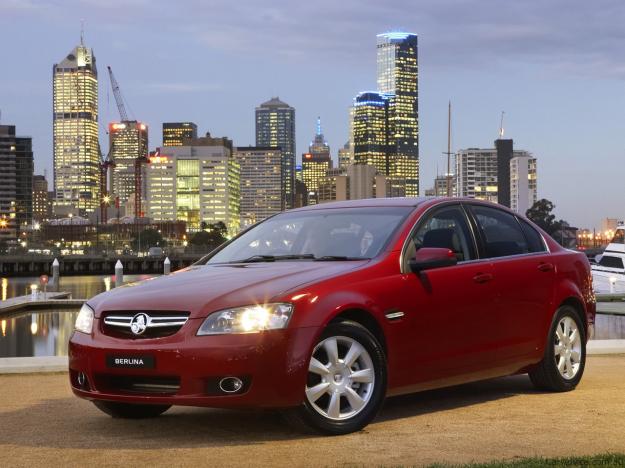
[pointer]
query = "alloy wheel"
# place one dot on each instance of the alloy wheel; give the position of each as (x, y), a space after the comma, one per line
(567, 348)
(341, 378)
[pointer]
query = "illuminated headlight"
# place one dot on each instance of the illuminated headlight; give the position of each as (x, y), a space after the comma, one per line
(84, 321)
(248, 319)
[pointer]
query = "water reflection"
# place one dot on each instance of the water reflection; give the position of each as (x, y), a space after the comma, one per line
(37, 334)
(81, 287)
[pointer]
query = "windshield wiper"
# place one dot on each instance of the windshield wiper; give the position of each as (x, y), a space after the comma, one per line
(274, 258)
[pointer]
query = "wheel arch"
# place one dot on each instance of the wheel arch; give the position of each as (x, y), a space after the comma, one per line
(364, 318)
(578, 306)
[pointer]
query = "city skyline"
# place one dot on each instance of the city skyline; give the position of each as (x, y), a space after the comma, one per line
(535, 87)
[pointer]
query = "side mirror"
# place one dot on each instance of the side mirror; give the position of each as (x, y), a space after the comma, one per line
(428, 258)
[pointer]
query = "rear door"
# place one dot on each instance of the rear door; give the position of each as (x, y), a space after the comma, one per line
(524, 278)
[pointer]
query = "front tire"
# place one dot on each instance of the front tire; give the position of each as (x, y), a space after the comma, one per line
(564, 361)
(129, 410)
(346, 382)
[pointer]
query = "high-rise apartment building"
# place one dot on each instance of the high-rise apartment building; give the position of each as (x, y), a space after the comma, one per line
(275, 127)
(523, 182)
(198, 182)
(175, 133)
(261, 183)
(16, 182)
(42, 209)
(75, 132)
(397, 76)
(479, 175)
(370, 130)
(128, 142)
(439, 189)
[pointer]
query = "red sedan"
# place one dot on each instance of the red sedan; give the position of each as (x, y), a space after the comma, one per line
(326, 310)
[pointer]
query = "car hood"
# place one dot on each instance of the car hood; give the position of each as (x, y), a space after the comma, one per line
(201, 290)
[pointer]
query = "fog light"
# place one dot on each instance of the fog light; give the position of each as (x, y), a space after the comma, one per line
(82, 379)
(230, 384)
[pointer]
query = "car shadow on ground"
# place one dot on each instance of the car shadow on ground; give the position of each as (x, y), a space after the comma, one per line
(74, 423)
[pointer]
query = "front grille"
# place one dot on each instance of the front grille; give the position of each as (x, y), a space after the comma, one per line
(139, 325)
(160, 385)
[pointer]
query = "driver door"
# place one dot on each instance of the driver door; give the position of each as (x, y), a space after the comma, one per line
(448, 309)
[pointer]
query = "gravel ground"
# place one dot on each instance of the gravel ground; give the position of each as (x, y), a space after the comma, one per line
(42, 423)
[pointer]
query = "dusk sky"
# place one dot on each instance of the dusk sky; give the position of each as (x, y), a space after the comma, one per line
(557, 69)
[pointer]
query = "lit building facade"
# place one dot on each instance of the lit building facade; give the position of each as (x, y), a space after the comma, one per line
(315, 164)
(75, 132)
(261, 183)
(16, 182)
(175, 133)
(196, 184)
(42, 209)
(128, 141)
(523, 182)
(370, 130)
(345, 156)
(397, 77)
(275, 128)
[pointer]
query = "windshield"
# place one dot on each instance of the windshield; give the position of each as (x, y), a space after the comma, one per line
(332, 234)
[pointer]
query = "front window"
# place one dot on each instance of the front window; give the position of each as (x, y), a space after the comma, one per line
(332, 234)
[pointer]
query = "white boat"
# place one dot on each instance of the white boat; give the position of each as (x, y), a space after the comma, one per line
(608, 274)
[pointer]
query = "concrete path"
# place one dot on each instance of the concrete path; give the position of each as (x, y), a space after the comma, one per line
(43, 424)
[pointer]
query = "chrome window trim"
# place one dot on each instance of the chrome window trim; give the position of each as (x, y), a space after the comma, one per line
(461, 205)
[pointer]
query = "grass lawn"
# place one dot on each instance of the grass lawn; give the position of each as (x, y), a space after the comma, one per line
(608, 460)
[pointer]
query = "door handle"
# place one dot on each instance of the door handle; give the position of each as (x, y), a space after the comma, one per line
(483, 277)
(545, 267)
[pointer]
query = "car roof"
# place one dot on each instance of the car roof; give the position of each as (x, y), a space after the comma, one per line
(369, 202)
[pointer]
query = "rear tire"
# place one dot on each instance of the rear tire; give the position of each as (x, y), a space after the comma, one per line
(346, 382)
(130, 410)
(564, 361)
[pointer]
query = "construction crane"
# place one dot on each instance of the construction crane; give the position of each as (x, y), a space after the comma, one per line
(118, 96)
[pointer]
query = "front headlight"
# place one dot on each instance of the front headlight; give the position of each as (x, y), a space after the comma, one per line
(84, 321)
(248, 319)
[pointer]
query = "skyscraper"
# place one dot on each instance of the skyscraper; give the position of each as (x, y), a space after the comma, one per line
(345, 156)
(275, 127)
(315, 164)
(261, 183)
(370, 130)
(16, 182)
(75, 130)
(174, 133)
(398, 71)
(128, 141)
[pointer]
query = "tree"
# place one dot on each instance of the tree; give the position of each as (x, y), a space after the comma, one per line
(146, 239)
(541, 214)
(213, 236)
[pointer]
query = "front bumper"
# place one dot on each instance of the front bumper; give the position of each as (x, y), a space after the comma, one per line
(273, 364)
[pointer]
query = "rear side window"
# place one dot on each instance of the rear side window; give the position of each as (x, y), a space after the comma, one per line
(501, 232)
(534, 240)
(611, 262)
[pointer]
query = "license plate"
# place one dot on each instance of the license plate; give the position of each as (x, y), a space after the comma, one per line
(130, 362)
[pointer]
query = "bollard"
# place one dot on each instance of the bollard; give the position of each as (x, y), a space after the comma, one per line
(55, 274)
(119, 274)
(166, 266)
